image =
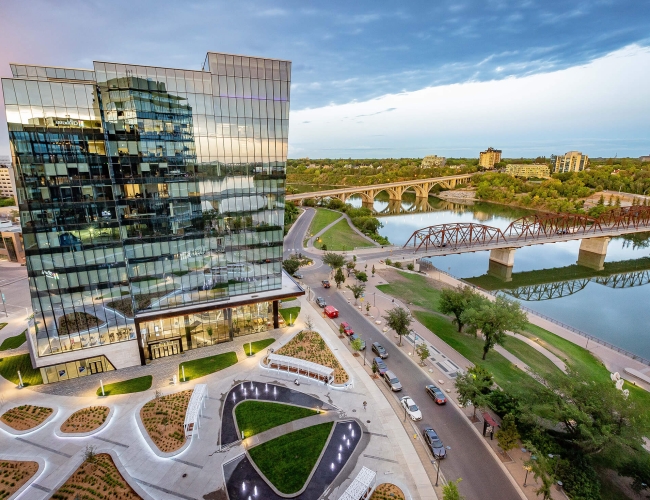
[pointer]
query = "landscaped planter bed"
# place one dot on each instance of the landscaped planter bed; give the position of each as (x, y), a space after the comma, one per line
(13, 475)
(77, 322)
(310, 346)
(163, 418)
(23, 418)
(387, 491)
(96, 478)
(85, 420)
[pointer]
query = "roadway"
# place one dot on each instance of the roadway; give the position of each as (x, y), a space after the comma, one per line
(468, 458)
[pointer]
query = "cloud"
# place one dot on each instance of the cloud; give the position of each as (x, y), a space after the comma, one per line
(600, 108)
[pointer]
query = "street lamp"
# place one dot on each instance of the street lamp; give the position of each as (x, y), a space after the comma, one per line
(528, 468)
(437, 469)
(364, 353)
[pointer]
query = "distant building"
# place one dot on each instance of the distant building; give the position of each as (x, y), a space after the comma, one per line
(573, 161)
(433, 161)
(488, 158)
(535, 170)
(11, 242)
(644, 159)
(6, 181)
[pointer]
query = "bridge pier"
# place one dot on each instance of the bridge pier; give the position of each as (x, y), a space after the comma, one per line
(503, 256)
(593, 252)
(498, 270)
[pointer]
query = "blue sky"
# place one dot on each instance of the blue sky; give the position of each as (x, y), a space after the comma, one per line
(355, 52)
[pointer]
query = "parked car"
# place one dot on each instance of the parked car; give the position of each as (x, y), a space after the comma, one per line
(326, 283)
(321, 302)
(434, 443)
(393, 382)
(331, 311)
(436, 394)
(298, 276)
(379, 350)
(381, 366)
(346, 328)
(411, 408)
(354, 336)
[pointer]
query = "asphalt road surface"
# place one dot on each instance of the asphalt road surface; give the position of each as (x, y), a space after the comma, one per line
(468, 458)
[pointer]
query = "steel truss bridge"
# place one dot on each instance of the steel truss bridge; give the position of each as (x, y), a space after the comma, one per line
(556, 290)
(528, 230)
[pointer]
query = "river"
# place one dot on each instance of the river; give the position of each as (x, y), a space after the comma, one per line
(611, 304)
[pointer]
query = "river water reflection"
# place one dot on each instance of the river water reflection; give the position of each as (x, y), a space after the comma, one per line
(612, 304)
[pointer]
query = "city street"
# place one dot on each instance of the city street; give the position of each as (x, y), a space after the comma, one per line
(467, 458)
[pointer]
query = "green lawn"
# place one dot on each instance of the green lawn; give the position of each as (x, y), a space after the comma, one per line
(2, 325)
(322, 219)
(290, 312)
(416, 289)
(127, 386)
(11, 364)
(13, 342)
(288, 460)
(341, 237)
(255, 347)
(505, 373)
(205, 366)
(254, 417)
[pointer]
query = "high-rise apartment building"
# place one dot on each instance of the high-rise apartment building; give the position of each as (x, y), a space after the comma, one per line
(488, 158)
(573, 161)
(6, 181)
(152, 207)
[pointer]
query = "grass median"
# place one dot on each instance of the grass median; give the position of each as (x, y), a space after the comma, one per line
(205, 366)
(290, 313)
(254, 417)
(14, 342)
(255, 347)
(138, 384)
(341, 237)
(322, 219)
(287, 461)
(10, 365)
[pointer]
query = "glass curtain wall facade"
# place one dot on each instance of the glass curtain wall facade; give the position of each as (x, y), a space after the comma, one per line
(147, 189)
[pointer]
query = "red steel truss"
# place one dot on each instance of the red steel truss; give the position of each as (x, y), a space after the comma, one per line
(535, 226)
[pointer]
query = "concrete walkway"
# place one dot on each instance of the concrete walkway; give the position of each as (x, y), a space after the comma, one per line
(296, 425)
(542, 350)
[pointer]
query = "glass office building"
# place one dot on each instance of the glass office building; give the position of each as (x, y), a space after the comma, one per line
(152, 206)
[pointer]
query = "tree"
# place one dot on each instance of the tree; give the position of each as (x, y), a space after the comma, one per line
(339, 277)
(423, 352)
(356, 344)
(474, 387)
(507, 435)
(399, 320)
(334, 260)
(539, 466)
(373, 269)
(351, 264)
(357, 291)
(362, 276)
(456, 300)
(592, 415)
(493, 320)
(450, 491)
(291, 265)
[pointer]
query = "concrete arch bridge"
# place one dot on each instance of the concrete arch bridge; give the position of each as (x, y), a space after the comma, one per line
(395, 190)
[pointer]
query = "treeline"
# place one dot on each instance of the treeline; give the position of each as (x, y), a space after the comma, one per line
(370, 171)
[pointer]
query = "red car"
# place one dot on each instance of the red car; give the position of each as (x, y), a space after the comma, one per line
(331, 311)
(346, 328)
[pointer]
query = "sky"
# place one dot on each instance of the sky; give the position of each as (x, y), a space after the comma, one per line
(375, 79)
